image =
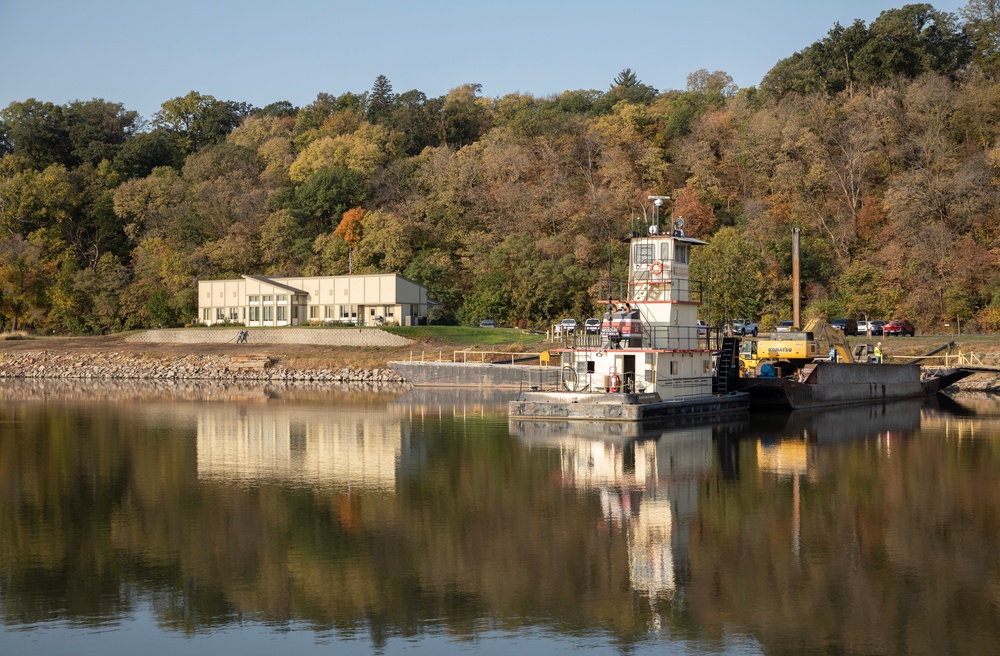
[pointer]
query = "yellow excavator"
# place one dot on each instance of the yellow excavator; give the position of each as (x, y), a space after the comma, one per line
(786, 352)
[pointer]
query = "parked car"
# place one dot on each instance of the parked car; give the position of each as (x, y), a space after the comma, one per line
(784, 326)
(873, 328)
(592, 326)
(900, 327)
(846, 326)
(567, 326)
(745, 327)
(487, 323)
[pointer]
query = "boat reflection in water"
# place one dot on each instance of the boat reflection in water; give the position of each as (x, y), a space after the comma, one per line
(841, 424)
(648, 478)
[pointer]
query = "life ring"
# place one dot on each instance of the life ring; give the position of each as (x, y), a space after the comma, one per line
(656, 268)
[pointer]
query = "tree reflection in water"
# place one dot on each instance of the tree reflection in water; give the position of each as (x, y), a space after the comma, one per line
(407, 514)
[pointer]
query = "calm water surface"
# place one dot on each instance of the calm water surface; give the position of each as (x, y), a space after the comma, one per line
(243, 520)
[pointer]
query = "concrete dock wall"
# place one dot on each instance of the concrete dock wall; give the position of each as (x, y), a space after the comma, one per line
(316, 336)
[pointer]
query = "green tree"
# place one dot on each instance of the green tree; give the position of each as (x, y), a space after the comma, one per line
(36, 133)
(983, 27)
(320, 202)
(200, 120)
(380, 101)
(97, 130)
(732, 271)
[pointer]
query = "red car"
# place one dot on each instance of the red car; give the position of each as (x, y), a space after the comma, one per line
(900, 327)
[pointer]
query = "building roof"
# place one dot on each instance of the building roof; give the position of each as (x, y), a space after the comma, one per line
(275, 283)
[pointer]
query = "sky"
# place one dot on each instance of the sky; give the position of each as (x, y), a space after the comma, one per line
(142, 53)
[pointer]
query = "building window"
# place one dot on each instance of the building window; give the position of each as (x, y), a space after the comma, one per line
(234, 294)
(222, 294)
(220, 314)
(665, 250)
(390, 311)
(283, 298)
(314, 312)
(206, 314)
(255, 299)
(233, 314)
(208, 294)
(268, 313)
(673, 367)
(281, 313)
(255, 314)
(269, 299)
(328, 311)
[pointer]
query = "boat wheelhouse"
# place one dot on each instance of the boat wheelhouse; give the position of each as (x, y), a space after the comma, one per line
(649, 341)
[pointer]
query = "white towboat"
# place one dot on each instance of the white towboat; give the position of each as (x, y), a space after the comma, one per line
(650, 361)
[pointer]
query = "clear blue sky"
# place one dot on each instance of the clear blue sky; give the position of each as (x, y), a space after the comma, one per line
(142, 53)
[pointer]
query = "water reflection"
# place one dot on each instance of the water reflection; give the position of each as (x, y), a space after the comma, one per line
(321, 446)
(410, 515)
(648, 477)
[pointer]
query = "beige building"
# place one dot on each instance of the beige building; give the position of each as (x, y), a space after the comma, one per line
(358, 299)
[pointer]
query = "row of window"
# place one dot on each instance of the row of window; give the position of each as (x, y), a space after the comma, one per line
(280, 312)
(645, 253)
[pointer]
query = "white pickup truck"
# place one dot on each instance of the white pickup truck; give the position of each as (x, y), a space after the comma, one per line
(745, 327)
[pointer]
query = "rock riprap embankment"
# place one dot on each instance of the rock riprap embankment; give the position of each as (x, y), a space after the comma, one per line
(124, 366)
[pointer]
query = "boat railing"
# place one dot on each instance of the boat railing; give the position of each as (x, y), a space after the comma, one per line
(680, 338)
(484, 357)
(677, 388)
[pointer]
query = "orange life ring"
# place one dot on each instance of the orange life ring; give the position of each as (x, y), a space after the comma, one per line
(656, 268)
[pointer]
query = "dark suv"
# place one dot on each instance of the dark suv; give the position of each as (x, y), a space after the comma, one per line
(900, 327)
(846, 326)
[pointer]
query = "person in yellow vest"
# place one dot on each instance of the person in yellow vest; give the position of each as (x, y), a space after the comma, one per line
(878, 353)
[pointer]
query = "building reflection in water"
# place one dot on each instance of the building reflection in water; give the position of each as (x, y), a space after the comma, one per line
(647, 479)
(326, 442)
(317, 446)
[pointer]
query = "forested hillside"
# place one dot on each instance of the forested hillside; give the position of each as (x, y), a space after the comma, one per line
(879, 141)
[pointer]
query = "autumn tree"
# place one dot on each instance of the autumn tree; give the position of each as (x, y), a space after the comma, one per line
(23, 278)
(351, 230)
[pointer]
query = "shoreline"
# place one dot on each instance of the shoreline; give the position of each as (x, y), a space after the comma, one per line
(126, 366)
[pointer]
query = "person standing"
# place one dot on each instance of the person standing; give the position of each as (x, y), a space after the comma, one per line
(833, 354)
(878, 353)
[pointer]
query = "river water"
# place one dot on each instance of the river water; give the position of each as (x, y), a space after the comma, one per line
(249, 520)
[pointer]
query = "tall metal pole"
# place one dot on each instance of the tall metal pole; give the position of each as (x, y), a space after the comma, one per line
(796, 296)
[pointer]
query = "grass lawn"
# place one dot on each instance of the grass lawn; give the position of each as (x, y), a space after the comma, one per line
(467, 336)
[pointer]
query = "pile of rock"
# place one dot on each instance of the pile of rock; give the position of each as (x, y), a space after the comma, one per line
(123, 366)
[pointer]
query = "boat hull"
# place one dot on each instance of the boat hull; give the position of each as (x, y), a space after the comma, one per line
(832, 384)
(621, 407)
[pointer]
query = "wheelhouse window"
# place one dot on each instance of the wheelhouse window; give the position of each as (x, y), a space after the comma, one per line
(682, 253)
(643, 253)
